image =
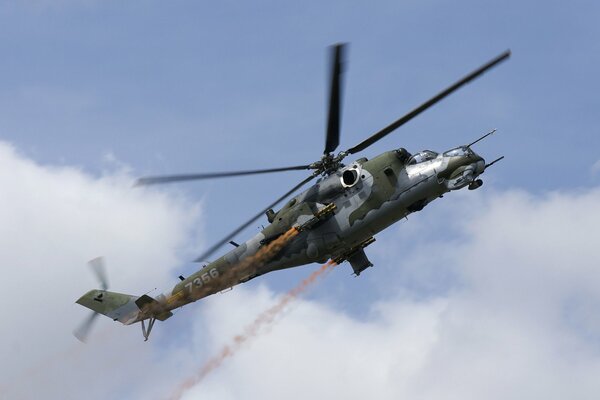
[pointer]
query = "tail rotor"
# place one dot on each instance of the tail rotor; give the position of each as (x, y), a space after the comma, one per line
(98, 267)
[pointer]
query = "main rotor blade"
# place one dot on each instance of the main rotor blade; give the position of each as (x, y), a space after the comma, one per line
(84, 329)
(152, 180)
(393, 126)
(226, 239)
(332, 138)
(97, 265)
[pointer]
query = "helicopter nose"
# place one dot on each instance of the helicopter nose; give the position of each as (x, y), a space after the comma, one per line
(478, 161)
(480, 166)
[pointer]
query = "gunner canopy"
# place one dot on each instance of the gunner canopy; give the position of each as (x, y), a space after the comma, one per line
(422, 156)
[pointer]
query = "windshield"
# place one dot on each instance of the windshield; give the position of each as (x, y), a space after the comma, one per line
(459, 151)
(422, 156)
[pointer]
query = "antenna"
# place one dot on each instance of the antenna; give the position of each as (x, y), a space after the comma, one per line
(493, 162)
(481, 138)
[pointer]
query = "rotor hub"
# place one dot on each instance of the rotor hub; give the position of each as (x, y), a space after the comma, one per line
(328, 164)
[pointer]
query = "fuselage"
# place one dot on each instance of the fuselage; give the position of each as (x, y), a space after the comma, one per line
(369, 196)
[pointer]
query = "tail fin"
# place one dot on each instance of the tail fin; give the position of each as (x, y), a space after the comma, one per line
(151, 307)
(117, 306)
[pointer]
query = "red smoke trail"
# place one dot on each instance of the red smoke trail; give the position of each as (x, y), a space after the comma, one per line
(263, 319)
(232, 275)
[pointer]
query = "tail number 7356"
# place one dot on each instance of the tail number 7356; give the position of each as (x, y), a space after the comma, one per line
(203, 279)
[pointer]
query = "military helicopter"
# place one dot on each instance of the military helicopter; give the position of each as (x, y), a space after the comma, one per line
(335, 218)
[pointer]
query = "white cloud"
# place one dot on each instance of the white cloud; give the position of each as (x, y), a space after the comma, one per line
(521, 323)
(55, 219)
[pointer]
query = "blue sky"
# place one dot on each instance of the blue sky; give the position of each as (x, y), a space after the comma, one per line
(187, 86)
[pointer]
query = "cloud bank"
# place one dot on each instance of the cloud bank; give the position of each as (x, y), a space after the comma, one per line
(55, 219)
(519, 319)
(485, 295)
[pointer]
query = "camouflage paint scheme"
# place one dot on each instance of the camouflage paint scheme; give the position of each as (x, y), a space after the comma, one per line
(368, 196)
(334, 219)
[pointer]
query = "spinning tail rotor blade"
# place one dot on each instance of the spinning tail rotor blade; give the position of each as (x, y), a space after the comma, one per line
(332, 139)
(84, 329)
(153, 180)
(398, 123)
(97, 265)
(226, 239)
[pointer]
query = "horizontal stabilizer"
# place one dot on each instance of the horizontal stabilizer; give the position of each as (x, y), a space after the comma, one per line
(117, 306)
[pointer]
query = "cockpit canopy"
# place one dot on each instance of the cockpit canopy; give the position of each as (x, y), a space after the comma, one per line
(457, 152)
(422, 156)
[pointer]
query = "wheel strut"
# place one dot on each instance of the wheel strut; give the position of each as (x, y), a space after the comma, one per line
(146, 332)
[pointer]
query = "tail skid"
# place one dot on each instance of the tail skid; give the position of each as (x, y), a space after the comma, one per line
(153, 310)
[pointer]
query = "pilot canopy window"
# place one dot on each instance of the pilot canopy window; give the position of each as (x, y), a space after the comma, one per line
(459, 151)
(422, 157)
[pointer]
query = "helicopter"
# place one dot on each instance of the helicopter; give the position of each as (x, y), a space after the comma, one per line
(334, 219)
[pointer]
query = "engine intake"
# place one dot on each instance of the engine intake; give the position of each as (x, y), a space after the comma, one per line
(351, 176)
